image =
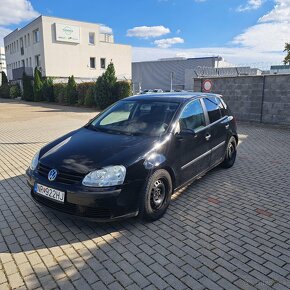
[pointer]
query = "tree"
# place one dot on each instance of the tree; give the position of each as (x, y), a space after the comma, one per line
(27, 88)
(105, 87)
(72, 94)
(37, 87)
(4, 78)
(287, 57)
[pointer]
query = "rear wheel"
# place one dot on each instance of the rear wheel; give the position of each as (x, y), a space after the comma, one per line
(156, 196)
(231, 153)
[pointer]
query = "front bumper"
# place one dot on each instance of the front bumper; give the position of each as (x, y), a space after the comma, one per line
(95, 204)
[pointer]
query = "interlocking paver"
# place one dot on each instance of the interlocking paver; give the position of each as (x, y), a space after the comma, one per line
(228, 230)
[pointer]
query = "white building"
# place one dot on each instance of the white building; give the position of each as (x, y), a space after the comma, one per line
(61, 48)
(2, 62)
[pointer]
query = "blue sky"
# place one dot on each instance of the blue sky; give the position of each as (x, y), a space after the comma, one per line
(242, 31)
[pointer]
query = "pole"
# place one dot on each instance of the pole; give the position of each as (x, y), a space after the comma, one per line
(171, 81)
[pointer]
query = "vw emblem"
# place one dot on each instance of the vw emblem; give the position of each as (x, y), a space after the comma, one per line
(52, 174)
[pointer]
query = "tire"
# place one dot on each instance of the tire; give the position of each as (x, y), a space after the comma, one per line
(230, 154)
(156, 196)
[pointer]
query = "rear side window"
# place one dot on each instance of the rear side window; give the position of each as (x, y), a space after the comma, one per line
(213, 109)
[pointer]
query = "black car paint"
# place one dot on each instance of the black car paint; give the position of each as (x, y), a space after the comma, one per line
(184, 155)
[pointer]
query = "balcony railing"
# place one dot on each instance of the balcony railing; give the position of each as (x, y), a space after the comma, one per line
(17, 73)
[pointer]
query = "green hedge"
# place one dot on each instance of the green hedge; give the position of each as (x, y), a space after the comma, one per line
(102, 93)
(82, 90)
(15, 91)
(60, 93)
(5, 91)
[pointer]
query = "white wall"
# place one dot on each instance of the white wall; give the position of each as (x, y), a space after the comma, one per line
(30, 51)
(63, 59)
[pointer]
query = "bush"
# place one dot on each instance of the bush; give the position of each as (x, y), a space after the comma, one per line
(27, 88)
(47, 90)
(71, 91)
(59, 91)
(82, 90)
(90, 97)
(15, 91)
(37, 85)
(122, 90)
(5, 91)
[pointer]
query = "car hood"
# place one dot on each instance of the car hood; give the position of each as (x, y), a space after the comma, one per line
(86, 150)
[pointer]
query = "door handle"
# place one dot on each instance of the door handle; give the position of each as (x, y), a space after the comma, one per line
(207, 136)
(227, 126)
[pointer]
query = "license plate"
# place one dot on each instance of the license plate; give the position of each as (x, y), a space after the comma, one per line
(50, 193)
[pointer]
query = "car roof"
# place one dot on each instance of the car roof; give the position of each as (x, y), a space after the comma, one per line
(180, 97)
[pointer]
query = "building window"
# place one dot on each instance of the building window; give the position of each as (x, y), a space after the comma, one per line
(91, 38)
(30, 64)
(36, 36)
(92, 62)
(103, 63)
(28, 39)
(25, 41)
(37, 60)
(21, 46)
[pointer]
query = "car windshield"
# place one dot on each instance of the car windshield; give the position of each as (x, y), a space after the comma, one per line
(138, 117)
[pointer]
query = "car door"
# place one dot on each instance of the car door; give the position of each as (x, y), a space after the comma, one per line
(218, 129)
(191, 147)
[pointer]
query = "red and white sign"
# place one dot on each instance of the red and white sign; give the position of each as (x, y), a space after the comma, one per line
(206, 86)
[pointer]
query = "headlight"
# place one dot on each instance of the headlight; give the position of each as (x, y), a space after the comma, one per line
(34, 161)
(107, 176)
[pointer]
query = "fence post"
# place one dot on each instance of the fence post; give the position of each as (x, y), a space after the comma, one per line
(262, 101)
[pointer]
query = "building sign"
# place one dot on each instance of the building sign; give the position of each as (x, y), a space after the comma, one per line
(67, 33)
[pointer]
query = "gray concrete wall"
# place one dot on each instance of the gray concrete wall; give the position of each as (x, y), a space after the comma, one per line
(263, 99)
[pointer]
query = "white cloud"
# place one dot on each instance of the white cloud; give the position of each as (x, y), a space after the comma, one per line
(15, 11)
(3, 32)
(280, 13)
(147, 31)
(105, 29)
(168, 42)
(235, 55)
(250, 5)
(271, 32)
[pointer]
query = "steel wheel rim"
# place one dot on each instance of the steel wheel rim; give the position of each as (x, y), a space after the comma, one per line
(158, 195)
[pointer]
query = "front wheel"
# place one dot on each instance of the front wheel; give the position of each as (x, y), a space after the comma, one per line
(231, 153)
(156, 196)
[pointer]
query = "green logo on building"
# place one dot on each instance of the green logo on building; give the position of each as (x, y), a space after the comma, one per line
(67, 30)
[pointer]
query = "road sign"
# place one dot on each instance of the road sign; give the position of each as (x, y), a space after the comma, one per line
(206, 86)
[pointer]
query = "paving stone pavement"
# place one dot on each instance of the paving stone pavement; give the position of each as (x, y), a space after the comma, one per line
(228, 230)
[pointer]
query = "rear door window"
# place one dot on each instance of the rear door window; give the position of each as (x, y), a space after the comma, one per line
(213, 108)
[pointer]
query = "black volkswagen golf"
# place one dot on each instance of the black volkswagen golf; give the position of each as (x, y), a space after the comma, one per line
(130, 158)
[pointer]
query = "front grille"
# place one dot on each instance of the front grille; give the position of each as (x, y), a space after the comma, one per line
(82, 211)
(62, 176)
